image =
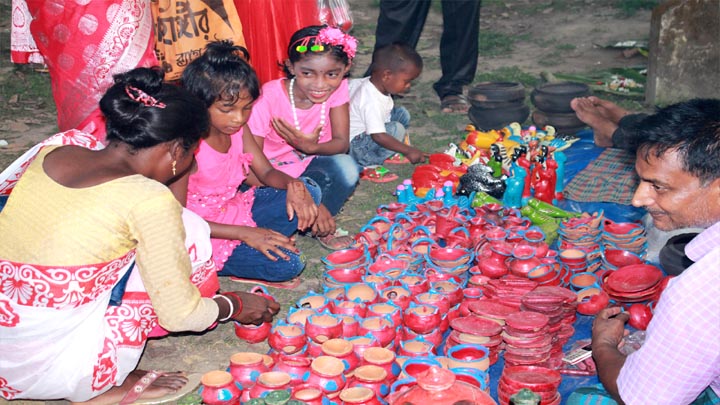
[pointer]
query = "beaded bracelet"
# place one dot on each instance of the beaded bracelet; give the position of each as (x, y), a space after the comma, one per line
(230, 303)
(239, 308)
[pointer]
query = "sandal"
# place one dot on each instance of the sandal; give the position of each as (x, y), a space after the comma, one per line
(396, 159)
(454, 104)
(132, 396)
(285, 285)
(378, 174)
(336, 241)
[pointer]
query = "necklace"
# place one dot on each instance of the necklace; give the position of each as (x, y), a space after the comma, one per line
(294, 110)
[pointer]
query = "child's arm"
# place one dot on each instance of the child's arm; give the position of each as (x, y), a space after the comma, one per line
(261, 239)
(388, 142)
(307, 143)
(299, 200)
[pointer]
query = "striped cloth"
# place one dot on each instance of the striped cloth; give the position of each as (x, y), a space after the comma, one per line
(609, 178)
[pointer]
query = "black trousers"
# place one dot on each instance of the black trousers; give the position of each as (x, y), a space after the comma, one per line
(403, 21)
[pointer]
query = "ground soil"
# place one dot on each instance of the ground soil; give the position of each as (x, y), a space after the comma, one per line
(555, 36)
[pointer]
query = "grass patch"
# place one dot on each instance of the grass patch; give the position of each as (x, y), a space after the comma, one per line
(565, 47)
(508, 74)
(628, 8)
(494, 43)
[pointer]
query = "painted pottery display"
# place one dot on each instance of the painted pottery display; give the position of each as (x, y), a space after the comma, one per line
(269, 381)
(359, 396)
(373, 377)
(343, 350)
(328, 373)
(218, 388)
(245, 367)
(438, 386)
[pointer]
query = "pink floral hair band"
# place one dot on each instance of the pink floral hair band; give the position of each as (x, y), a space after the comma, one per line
(331, 36)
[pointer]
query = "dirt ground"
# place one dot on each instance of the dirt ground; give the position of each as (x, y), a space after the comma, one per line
(555, 36)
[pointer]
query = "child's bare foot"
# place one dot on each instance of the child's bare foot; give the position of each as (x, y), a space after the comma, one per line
(608, 109)
(162, 384)
(590, 114)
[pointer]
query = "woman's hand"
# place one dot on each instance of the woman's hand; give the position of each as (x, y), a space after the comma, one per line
(305, 143)
(256, 309)
(299, 202)
(325, 223)
(268, 242)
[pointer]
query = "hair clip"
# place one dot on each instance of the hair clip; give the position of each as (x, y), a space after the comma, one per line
(303, 47)
(140, 96)
(331, 36)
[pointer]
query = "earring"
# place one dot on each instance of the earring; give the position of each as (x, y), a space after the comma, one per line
(174, 168)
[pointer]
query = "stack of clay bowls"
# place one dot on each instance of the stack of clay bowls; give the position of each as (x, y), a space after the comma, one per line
(559, 305)
(628, 236)
(552, 106)
(633, 283)
(497, 104)
(526, 337)
(540, 380)
(476, 330)
(509, 289)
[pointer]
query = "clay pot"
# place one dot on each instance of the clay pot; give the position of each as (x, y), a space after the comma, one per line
(309, 394)
(583, 280)
(328, 373)
(346, 258)
(313, 300)
(440, 387)
(270, 381)
(373, 377)
(294, 366)
(386, 309)
(350, 326)
(380, 327)
(434, 298)
(287, 338)
(218, 388)
(592, 300)
(422, 318)
(640, 316)
(299, 315)
(343, 350)
(362, 293)
(470, 356)
(252, 333)
(359, 396)
(351, 308)
(523, 261)
(245, 367)
(321, 327)
(363, 342)
(450, 289)
(556, 97)
(400, 296)
(417, 347)
(383, 358)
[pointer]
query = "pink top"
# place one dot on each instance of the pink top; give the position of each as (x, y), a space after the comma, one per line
(681, 354)
(212, 191)
(275, 102)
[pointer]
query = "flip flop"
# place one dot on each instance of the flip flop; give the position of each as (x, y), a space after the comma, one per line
(378, 174)
(454, 104)
(285, 285)
(131, 398)
(396, 159)
(336, 241)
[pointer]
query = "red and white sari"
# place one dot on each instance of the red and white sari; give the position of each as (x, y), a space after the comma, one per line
(56, 321)
(84, 43)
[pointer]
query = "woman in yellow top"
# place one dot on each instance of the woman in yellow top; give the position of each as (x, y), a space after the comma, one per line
(75, 223)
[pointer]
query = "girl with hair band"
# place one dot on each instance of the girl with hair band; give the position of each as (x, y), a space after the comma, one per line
(251, 228)
(302, 122)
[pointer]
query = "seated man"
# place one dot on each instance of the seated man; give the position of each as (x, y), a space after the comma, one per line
(678, 161)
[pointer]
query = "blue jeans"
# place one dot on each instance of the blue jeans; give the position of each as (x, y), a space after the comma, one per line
(368, 153)
(269, 212)
(337, 176)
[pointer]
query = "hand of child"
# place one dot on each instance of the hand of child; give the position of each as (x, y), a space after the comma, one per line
(299, 140)
(415, 155)
(256, 309)
(269, 242)
(324, 224)
(299, 202)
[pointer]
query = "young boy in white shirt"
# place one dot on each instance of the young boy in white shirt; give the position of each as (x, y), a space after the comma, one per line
(377, 127)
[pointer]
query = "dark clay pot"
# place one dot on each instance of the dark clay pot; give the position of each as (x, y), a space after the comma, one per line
(497, 92)
(556, 97)
(486, 119)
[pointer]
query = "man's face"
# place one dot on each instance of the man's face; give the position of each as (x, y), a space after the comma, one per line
(673, 197)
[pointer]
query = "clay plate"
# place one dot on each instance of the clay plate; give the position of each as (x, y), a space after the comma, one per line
(634, 278)
(475, 325)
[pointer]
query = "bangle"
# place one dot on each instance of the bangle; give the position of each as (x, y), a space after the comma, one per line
(239, 306)
(230, 304)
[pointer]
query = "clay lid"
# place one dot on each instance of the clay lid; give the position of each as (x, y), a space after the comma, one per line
(475, 325)
(527, 321)
(436, 379)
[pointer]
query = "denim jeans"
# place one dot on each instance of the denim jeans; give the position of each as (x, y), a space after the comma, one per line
(368, 153)
(269, 212)
(337, 176)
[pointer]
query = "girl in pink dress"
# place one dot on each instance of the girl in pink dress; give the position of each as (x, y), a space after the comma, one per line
(225, 159)
(302, 122)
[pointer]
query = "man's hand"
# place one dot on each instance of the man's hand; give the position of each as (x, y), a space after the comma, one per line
(415, 155)
(609, 327)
